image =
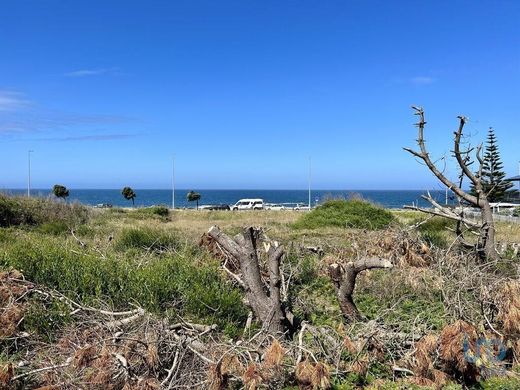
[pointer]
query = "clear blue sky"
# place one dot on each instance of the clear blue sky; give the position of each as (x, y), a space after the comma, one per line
(242, 92)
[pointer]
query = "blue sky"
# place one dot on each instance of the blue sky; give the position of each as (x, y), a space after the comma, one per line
(242, 92)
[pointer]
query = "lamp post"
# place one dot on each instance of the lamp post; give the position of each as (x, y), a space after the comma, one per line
(29, 173)
(173, 182)
(309, 183)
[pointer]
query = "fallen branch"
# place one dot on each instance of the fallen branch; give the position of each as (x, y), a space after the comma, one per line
(36, 371)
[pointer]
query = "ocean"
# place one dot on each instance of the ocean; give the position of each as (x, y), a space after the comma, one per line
(385, 198)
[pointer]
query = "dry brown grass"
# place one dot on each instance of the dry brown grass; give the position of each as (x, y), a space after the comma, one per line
(320, 378)
(252, 377)
(425, 350)
(304, 372)
(11, 310)
(274, 356)
(216, 380)
(350, 346)
(194, 223)
(6, 373)
(508, 232)
(508, 303)
(312, 376)
(451, 347)
(231, 365)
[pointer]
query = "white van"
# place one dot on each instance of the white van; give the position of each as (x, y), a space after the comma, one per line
(248, 204)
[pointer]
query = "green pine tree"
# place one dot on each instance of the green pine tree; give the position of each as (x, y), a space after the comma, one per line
(493, 183)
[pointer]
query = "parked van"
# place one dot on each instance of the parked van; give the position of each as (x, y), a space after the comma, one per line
(248, 204)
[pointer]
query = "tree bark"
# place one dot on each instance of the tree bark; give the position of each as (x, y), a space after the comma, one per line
(265, 301)
(344, 280)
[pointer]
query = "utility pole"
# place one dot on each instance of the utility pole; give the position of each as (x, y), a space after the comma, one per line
(173, 182)
(310, 206)
(29, 173)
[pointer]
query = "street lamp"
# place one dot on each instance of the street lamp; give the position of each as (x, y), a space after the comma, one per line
(173, 182)
(310, 161)
(29, 173)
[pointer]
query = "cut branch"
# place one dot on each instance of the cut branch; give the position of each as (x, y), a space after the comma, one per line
(344, 280)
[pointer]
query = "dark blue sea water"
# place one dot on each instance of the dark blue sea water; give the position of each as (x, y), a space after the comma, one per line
(388, 199)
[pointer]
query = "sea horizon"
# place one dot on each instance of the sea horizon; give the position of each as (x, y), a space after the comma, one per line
(150, 197)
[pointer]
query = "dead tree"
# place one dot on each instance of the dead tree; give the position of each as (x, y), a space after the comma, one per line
(486, 243)
(263, 298)
(344, 280)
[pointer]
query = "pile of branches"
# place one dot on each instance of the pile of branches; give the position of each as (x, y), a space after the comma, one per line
(403, 247)
(136, 350)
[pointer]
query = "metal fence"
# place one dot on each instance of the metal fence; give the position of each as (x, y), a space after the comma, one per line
(496, 217)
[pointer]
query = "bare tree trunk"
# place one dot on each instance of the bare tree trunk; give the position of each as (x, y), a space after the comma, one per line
(265, 301)
(487, 233)
(486, 245)
(344, 280)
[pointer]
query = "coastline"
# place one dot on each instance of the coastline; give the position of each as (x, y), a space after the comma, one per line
(390, 199)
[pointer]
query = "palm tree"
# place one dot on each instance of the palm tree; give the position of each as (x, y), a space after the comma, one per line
(60, 191)
(128, 193)
(193, 196)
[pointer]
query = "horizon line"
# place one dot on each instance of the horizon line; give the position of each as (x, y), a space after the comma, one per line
(225, 189)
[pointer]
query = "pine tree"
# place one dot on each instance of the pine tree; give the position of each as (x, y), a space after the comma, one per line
(493, 176)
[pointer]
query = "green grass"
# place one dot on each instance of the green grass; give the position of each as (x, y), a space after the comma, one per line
(387, 295)
(499, 383)
(148, 239)
(55, 228)
(186, 283)
(46, 319)
(352, 213)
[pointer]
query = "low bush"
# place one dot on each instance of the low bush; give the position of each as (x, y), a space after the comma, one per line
(353, 213)
(153, 212)
(16, 210)
(13, 213)
(435, 230)
(147, 239)
(161, 211)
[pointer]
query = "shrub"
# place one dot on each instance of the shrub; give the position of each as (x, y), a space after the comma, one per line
(159, 210)
(147, 239)
(353, 213)
(435, 230)
(35, 211)
(12, 213)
